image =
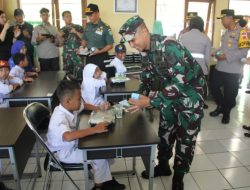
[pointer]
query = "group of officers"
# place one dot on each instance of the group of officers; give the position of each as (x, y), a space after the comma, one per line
(180, 95)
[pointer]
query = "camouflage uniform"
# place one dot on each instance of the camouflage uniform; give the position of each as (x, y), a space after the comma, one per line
(175, 84)
(71, 42)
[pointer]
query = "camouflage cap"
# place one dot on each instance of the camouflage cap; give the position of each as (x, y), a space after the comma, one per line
(129, 28)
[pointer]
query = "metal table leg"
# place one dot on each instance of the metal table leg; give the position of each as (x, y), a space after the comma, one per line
(151, 168)
(14, 168)
(85, 169)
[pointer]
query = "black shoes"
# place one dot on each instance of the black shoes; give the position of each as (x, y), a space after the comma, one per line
(216, 112)
(205, 106)
(225, 119)
(158, 171)
(110, 185)
(177, 182)
(3, 187)
(246, 128)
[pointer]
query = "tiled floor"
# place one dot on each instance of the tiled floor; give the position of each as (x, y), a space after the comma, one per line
(221, 161)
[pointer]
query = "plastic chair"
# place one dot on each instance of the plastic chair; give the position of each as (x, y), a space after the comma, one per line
(35, 114)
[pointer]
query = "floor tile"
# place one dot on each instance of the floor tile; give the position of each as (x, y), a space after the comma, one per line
(201, 163)
(210, 180)
(224, 160)
(211, 146)
(234, 144)
(237, 177)
(243, 156)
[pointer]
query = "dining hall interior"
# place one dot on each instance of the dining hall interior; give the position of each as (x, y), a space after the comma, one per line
(125, 94)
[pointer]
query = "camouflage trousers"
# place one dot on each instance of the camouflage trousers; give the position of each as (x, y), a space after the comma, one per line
(176, 126)
(72, 63)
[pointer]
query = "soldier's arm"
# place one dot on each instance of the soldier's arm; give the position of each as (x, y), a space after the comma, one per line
(146, 81)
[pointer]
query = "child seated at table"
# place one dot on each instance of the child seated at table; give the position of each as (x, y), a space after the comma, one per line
(18, 71)
(117, 62)
(19, 47)
(7, 83)
(62, 135)
(93, 80)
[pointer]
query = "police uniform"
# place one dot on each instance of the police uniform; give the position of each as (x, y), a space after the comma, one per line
(174, 81)
(97, 36)
(235, 45)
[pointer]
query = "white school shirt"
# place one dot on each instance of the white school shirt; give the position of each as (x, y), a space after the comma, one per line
(62, 121)
(119, 66)
(6, 87)
(18, 72)
(90, 88)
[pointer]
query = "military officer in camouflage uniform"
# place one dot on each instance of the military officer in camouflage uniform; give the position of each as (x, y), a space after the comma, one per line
(70, 38)
(173, 82)
(97, 37)
(229, 67)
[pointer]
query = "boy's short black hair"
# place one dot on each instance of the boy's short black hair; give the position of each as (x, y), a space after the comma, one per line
(66, 88)
(44, 10)
(65, 12)
(18, 57)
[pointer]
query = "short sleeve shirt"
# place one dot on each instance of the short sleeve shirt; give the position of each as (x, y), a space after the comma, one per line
(98, 35)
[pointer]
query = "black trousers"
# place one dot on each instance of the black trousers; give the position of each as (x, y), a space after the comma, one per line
(51, 64)
(98, 60)
(224, 88)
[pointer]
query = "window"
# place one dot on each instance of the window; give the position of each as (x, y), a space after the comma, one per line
(31, 10)
(172, 21)
(205, 9)
(172, 14)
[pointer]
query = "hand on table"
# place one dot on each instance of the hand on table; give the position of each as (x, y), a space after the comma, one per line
(101, 127)
(142, 102)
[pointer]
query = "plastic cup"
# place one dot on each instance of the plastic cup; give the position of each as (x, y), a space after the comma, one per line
(118, 111)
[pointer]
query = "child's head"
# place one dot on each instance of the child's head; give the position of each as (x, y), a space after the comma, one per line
(18, 47)
(4, 70)
(67, 17)
(20, 59)
(120, 51)
(69, 95)
(92, 71)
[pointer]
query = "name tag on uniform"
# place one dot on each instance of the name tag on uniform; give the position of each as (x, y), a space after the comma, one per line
(98, 32)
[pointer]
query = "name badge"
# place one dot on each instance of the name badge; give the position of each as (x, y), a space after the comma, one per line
(98, 32)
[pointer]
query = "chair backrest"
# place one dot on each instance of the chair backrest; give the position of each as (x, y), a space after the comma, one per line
(34, 114)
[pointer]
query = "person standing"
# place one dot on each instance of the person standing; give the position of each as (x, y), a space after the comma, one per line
(23, 32)
(97, 37)
(234, 47)
(199, 44)
(5, 37)
(179, 97)
(44, 36)
(70, 38)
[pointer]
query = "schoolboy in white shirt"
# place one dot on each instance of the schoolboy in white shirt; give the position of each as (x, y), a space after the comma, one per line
(7, 83)
(62, 135)
(18, 71)
(117, 62)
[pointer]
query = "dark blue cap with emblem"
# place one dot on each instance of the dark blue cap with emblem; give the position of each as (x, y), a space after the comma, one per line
(120, 48)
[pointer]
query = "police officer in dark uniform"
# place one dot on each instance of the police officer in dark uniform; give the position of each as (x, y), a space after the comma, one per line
(97, 37)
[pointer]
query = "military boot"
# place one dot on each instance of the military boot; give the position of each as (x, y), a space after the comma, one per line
(162, 169)
(216, 112)
(177, 181)
(226, 116)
